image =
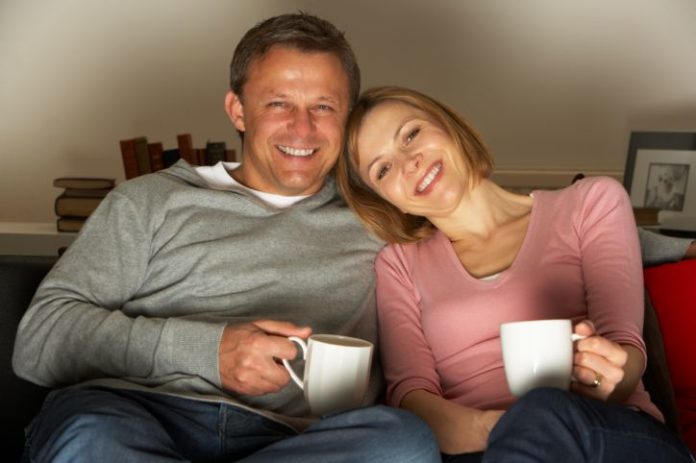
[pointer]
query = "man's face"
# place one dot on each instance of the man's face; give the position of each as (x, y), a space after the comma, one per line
(292, 112)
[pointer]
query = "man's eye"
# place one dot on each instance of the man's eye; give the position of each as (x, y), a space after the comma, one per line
(324, 107)
(413, 133)
(382, 171)
(276, 104)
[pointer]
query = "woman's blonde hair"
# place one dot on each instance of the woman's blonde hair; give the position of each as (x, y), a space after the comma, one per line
(378, 215)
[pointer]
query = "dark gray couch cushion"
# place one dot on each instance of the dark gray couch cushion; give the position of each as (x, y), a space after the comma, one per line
(19, 399)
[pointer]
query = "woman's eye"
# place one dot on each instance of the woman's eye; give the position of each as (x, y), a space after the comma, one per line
(382, 171)
(412, 134)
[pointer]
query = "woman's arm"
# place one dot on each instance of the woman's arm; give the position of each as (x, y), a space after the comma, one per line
(612, 274)
(457, 429)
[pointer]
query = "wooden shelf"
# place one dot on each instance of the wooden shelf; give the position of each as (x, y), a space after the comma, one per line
(32, 239)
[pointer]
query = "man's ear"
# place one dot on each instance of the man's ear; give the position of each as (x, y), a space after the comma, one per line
(235, 110)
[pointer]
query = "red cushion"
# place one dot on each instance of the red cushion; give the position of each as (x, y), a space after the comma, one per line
(672, 289)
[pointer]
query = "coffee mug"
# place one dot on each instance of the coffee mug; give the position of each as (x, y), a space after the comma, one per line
(538, 353)
(336, 373)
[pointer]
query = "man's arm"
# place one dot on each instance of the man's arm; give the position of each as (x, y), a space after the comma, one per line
(659, 249)
(87, 319)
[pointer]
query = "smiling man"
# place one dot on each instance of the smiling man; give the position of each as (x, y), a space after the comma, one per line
(168, 315)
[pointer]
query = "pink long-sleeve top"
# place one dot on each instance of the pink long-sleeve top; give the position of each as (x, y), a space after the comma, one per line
(439, 326)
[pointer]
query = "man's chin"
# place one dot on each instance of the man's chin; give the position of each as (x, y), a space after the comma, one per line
(300, 185)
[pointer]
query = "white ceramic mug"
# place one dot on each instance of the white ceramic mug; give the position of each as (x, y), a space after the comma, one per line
(537, 353)
(336, 373)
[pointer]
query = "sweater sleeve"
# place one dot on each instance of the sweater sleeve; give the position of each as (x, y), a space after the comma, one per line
(611, 262)
(77, 327)
(658, 249)
(407, 359)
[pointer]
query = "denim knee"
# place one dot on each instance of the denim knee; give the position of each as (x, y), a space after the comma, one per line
(397, 435)
(83, 424)
(402, 428)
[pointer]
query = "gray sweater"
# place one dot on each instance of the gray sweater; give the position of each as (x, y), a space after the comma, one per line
(141, 297)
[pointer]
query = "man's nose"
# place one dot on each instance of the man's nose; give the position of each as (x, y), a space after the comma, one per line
(302, 122)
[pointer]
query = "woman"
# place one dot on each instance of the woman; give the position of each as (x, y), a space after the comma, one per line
(465, 256)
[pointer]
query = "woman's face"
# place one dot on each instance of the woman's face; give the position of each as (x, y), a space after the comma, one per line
(410, 160)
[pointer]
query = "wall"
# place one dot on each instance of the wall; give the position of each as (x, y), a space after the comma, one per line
(555, 87)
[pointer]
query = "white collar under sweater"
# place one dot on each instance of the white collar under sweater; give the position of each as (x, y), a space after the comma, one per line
(218, 177)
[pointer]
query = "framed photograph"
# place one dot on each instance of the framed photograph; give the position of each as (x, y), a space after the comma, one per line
(661, 173)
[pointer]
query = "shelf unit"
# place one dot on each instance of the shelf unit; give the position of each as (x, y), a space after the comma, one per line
(32, 239)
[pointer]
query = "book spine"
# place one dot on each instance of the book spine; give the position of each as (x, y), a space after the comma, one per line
(69, 224)
(230, 156)
(169, 157)
(75, 207)
(156, 161)
(186, 151)
(215, 152)
(130, 161)
(142, 154)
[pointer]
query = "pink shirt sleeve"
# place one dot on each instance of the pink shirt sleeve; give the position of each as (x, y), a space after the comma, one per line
(611, 263)
(400, 330)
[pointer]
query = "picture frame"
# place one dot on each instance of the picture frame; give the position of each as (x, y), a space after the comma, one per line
(661, 173)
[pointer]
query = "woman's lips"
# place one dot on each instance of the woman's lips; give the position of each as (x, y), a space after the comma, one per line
(429, 177)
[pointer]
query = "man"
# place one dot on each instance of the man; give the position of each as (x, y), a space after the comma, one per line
(171, 310)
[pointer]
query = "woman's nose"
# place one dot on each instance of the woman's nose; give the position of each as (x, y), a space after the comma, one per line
(412, 162)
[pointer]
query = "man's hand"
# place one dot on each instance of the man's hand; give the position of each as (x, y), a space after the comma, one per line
(248, 353)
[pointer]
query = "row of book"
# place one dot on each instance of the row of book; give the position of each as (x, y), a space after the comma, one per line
(79, 198)
(141, 157)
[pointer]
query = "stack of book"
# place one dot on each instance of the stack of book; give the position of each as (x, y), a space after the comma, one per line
(646, 216)
(80, 197)
(141, 157)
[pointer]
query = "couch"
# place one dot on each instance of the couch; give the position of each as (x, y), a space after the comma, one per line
(21, 400)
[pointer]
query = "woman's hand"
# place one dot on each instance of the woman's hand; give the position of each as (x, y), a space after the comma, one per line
(457, 429)
(599, 364)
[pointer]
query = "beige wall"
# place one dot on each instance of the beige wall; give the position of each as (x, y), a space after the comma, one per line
(554, 86)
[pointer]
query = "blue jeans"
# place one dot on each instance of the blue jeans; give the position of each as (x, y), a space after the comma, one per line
(551, 425)
(110, 425)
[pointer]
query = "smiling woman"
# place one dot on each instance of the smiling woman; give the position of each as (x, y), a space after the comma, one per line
(467, 256)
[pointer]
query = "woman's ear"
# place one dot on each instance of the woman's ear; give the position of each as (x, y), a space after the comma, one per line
(235, 110)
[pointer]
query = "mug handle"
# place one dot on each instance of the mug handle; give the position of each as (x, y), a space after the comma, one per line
(287, 366)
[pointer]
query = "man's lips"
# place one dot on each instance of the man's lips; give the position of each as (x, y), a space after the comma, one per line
(296, 152)
(429, 177)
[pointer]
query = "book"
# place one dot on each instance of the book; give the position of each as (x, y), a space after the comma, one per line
(646, 215)
(130, 160)
(91, 193)
(84, 183)
(186, 151)
(169, 157)
(230, 156)
(155, 150)
(142, 155)
(66, 206)
(70, 224)
(215, 151)
(199, 156)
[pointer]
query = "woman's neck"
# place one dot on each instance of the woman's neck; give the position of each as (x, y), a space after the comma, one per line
(483, 212)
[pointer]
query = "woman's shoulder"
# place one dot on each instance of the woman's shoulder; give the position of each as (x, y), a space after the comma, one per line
(410, 252)
(589, 190)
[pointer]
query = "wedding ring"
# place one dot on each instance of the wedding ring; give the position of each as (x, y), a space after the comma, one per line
(597, 380)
